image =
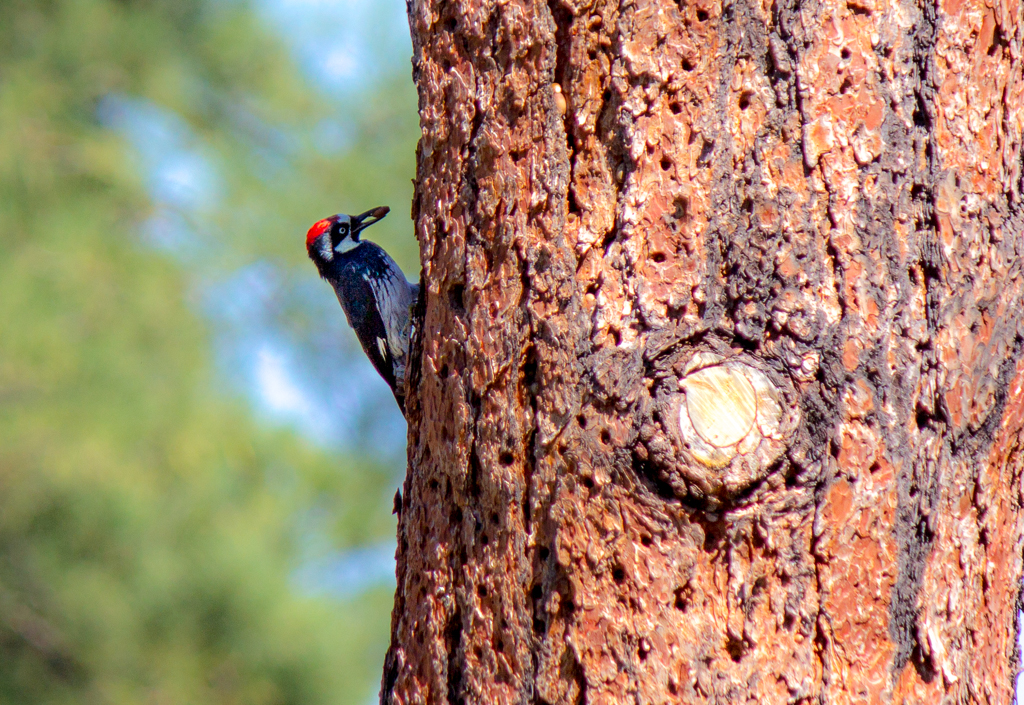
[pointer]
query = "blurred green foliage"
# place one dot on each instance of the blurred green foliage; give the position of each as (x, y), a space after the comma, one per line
(149, 528)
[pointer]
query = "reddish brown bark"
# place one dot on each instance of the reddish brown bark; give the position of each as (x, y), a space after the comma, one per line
(824, 195)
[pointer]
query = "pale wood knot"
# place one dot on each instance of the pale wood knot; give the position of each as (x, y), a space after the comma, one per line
(730, 415)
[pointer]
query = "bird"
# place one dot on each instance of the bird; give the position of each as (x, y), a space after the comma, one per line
(373, 291)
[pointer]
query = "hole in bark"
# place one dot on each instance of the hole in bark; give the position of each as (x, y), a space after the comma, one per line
(658, 257)
(530, 368)
(858, 9)
(484, 539)
(643, 650)
(446, 65)
(705, 153)
(582, 421)
(494, 517)
(478, 652)
(673, 687)
(676, 107)
(682, 205)
(713, 536)
(745, 97)
(846, 86)
(735, 649)
(433, 485)
(609, 238)
(921, 118)
(499, 646)
(588, 483)
(702, 16)
(606, 437)
(646, 541)
(997, 40)
(666, 163)
(682, 601)
(687, 64)
(921, 417)
(451, 24)
(474, 476)
(506, 458)
(592, 55)
(544, 552)
(923, 664)
(618, 575)
(439, 232)
(538, 626)
(537, 592)
(453, 638)
(845, 53)
(456, 516)
(456, 297)
(481, 590)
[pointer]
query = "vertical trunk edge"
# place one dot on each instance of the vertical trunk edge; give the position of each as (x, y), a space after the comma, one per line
(717, 387)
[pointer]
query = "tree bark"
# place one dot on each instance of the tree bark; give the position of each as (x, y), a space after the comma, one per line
(716, 392)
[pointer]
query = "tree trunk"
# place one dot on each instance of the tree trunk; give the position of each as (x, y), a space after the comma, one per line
(717, 384)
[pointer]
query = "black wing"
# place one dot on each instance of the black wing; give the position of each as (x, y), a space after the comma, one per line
(369, 275)
(367, 323)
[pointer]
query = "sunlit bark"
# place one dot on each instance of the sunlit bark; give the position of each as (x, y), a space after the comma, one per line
(717, 390)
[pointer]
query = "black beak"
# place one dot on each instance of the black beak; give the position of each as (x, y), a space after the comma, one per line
(360, 222)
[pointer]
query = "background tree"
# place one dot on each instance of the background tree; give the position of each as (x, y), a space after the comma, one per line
(152, 532)
(719, 395)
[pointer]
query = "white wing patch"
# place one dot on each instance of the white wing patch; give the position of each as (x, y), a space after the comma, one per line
(392, 291)
(383, 347)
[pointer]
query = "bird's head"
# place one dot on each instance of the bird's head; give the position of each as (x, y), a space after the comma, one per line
(339, 233)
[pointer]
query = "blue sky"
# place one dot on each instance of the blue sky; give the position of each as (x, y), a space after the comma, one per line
(342, 44)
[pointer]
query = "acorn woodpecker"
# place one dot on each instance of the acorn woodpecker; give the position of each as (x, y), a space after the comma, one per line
(372, 290)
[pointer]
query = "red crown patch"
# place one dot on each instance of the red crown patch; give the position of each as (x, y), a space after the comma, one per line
(318, 229)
